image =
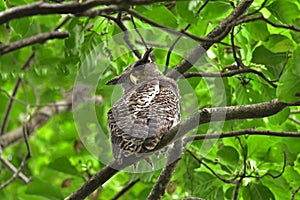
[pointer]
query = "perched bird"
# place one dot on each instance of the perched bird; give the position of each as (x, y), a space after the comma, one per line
(148, 108)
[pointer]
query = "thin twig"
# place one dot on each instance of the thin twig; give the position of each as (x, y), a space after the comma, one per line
(240, 133)
(271, 175)
(294, 120)
(295, 112)
(174, 32)
(125, 189)
(233, 180)
(11, 100)
(178, 38)
(40, 38)
(295, 193)
(118, 21)
(259, 9)
(13, 169)
(260, 17)
(230, 74)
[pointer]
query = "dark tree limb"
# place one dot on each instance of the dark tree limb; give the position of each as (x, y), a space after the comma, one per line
(40, 38)
(226, 113)
(174, 156)
(74, 7)
(219, 32)
(203, 116)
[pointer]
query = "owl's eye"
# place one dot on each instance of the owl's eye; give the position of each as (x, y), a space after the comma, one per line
(133, 79)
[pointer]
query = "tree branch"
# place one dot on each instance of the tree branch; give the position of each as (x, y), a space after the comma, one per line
(240, 133)
(40, 38)
(219, 32)
(260, 17)
(203, 116)
(12, 98)
(42, 117)
(74, 7)
(14, 170)
(230, 74)
(125, 189)
(174, 156)
(226, 113)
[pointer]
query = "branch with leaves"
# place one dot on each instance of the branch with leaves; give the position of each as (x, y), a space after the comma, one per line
(40, 38)
(207, 115)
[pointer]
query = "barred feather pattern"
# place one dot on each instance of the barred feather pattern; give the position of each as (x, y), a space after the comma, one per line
(142, 116)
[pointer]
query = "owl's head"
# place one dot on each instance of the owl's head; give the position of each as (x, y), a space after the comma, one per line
(141, 71)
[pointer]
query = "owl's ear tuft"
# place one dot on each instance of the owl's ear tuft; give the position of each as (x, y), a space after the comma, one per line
(145, 58)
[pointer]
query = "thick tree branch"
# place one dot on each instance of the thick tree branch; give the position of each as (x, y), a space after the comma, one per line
(40, 38)
(219, 32)
(207, 115)
(74, 7)
(174, 156)
(203, 116)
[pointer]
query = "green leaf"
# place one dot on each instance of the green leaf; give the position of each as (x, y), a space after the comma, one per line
(229, 193)
(295, 64)
(2, 5)
(296, 34)
(3, 34)
(182, 8)
(258, 30)
(161, 15)
(74, 42)
(263, 56)
(279, 43)
(228, 155)
(63, 164)
(214, 10)
(257, 191)
(21, 26)
(280, 117)
(289, 85)
(286, 11)
(44, 189)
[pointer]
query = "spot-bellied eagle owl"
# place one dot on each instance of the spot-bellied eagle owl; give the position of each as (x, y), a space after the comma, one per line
(146, 111)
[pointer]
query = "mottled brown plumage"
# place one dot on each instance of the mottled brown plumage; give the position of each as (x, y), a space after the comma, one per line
(148, 108)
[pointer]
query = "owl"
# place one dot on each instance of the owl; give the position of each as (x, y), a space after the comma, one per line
(148, 108)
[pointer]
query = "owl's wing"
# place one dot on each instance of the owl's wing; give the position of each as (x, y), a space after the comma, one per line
(164, 113)
(128, 119)
(139, 119)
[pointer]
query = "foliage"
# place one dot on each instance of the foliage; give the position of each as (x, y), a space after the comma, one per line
(60, 163)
